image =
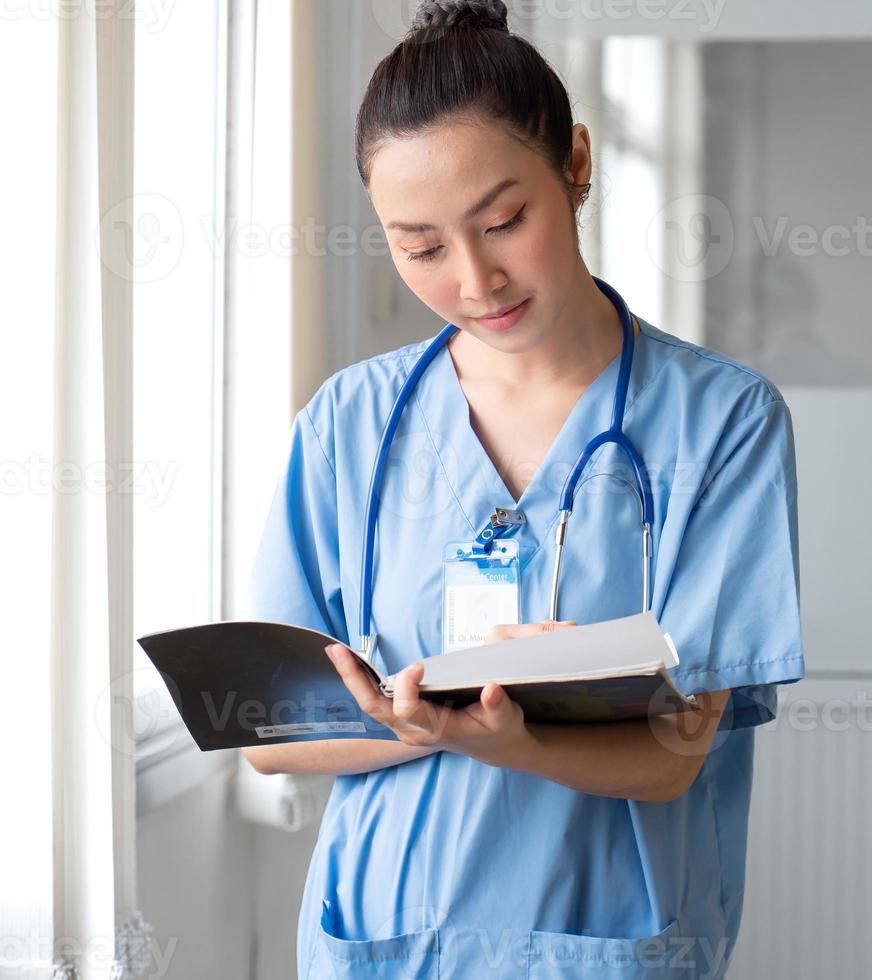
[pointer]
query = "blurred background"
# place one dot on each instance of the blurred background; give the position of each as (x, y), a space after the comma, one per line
(185, 235)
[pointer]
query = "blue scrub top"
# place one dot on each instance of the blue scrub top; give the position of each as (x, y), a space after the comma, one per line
(447, 867)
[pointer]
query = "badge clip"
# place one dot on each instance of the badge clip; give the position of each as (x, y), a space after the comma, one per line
(503, 521)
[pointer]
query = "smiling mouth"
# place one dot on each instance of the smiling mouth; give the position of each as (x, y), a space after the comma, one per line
(504, 321)
(499, 313)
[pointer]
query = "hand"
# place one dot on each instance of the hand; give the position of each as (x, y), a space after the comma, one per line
(491, 730)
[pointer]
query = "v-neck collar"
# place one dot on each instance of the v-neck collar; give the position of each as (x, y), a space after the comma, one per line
(474, 480)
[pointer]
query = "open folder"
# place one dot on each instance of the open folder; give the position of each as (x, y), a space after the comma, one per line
(242, 683)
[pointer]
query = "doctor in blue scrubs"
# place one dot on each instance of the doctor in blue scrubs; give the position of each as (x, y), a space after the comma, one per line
(475, 845)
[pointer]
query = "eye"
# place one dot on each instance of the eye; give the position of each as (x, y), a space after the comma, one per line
(431, 253)
(509, 225)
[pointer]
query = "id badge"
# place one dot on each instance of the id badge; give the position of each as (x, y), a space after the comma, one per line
(478, 591)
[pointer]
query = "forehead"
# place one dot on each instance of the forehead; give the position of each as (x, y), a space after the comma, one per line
(436, 176)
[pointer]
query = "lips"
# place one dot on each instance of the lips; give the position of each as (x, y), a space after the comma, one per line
(504, 320)
(501, 312)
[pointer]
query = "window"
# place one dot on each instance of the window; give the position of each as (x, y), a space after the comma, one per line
(638, 97)
(632, 169)
(28, 63)
(210, 260)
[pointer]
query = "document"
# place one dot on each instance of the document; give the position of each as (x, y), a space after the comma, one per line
(243, 683)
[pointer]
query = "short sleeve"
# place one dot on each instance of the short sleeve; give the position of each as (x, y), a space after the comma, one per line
(295, 575)
(731, 602)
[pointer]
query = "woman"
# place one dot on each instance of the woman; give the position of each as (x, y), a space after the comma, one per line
(476, 845)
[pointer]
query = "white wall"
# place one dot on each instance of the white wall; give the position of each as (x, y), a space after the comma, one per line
(196, 884)
(787, 146)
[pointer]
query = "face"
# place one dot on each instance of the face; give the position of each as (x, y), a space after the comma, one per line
(476, 222)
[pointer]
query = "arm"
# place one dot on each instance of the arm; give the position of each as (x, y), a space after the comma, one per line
(333, 756)
(650, 759)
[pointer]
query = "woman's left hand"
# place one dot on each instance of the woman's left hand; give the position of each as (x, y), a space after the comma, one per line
(491, 730)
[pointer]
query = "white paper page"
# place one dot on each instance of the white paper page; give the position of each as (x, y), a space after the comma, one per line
(629, 645)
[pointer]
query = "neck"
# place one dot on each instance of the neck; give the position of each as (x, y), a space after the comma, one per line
(585, 339)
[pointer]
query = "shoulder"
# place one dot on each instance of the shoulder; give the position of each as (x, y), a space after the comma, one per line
(705, 381)
(363, 391)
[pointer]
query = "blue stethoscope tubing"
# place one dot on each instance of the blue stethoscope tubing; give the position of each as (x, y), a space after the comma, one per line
(614, 434)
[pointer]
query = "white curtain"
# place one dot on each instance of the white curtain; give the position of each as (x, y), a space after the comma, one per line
(97, 932)
(280, 80)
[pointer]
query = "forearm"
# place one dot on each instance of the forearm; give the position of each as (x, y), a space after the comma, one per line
(624, 759)
(333, 756)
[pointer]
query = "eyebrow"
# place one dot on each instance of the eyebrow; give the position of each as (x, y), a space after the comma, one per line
(477, 208)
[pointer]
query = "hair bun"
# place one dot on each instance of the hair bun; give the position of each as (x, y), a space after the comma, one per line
(445, 14)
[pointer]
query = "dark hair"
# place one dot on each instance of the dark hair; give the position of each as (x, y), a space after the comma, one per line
(459, 62)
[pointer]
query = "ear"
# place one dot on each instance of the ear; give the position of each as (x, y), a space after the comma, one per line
(580, 164)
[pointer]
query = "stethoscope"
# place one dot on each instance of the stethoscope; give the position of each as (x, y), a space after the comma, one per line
(614, 434)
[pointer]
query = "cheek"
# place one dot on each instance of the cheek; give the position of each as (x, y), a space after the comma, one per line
(433, 289)
(545, 245)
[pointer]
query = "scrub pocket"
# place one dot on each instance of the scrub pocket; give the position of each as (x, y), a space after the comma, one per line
(560, 955)
(412, 956)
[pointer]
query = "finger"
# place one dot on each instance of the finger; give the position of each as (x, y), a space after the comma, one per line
(360, 685)
(496, 699)
(493, 697)
(550, 625)
(494, 709)
(406, 700)
(408, 704)
(514, 631)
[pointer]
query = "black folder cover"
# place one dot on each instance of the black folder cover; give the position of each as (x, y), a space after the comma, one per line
(245, 683)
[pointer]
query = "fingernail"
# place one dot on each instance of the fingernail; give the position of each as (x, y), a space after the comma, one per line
(329, 650)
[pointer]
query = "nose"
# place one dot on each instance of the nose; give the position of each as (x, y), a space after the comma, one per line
(479, 277)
